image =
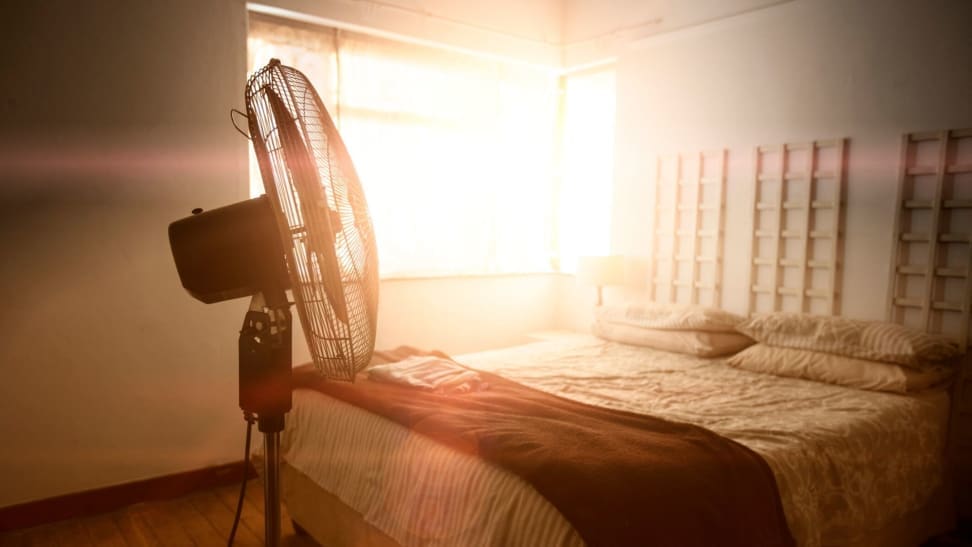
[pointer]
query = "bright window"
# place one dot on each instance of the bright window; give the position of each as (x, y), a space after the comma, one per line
(587, 166)
(456, 152)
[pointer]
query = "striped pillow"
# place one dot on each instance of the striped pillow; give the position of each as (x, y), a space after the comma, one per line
(871, 340)
(837, 369)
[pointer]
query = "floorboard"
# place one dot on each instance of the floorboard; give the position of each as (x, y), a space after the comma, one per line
(202, 519)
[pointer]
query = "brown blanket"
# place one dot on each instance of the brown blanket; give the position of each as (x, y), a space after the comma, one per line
(619, 478)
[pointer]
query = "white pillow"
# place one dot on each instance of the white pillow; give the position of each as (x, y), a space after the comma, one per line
(836, 369)
(871, 340)
(669, 317)
(692, 342)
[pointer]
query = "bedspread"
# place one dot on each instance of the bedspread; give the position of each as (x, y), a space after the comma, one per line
(620, 478)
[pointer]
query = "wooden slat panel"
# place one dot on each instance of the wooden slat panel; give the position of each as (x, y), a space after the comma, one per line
(918, 204)
(912, 236)
(952, 272)
(958, 203)
(947, 306)
(691, 174)
(941, 241)
(933, 255)
(809, 203)
(954, 238)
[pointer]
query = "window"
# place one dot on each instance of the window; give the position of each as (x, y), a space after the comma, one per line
(586, 188)
(456, 152)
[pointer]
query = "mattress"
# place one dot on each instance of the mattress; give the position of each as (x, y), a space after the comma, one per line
(847, 462)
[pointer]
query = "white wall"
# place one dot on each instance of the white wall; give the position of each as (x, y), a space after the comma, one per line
(116, 122)
(465, 314)
(864, 69)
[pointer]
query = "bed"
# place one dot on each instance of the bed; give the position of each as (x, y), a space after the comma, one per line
(853, 467)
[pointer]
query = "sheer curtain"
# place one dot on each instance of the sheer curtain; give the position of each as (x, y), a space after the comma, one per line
(455, 152)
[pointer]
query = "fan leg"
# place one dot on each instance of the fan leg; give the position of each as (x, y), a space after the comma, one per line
(271, 489)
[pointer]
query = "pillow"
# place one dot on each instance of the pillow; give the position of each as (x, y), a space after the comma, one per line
(872, 340)
(669, 317)
(693, 342)
(835, 369)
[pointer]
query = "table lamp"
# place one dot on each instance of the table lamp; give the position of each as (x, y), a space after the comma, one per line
(600, 271)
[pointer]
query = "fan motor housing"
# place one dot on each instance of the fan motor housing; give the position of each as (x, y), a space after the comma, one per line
(230, 252)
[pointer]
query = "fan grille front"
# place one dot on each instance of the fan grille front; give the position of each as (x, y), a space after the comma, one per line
(321, 210)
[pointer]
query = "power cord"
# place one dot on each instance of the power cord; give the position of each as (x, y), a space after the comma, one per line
(250, 419)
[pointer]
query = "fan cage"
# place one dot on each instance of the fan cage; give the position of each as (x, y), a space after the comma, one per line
(332, 221)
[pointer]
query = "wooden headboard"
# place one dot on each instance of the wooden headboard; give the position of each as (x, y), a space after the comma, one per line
(931, 265)
(798, 211)
(685, 266)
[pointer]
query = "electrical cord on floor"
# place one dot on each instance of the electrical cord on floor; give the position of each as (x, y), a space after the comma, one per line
(250, 418)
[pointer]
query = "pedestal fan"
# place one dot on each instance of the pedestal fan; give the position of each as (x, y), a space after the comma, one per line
(310, 233)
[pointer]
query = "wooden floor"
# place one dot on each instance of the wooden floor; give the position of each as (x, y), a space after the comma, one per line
(203, 518)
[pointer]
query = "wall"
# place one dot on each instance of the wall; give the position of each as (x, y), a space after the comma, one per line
(115, 122)
(595, 30)
(465, 314)
(796, 71)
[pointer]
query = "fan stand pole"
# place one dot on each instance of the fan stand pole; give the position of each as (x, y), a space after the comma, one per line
(271, 486)
(265, 370)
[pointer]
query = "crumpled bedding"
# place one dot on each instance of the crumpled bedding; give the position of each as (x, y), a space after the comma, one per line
(846, 461)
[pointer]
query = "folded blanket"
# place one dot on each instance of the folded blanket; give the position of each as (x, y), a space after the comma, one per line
(429, 372)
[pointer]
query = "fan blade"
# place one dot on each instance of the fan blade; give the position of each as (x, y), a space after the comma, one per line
(313, 204)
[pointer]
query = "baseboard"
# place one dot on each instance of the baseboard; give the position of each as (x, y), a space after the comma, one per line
(110, 498)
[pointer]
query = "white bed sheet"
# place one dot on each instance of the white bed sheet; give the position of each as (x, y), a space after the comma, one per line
(847, 462)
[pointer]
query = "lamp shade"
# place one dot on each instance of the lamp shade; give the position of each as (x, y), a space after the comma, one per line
(601, 270)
